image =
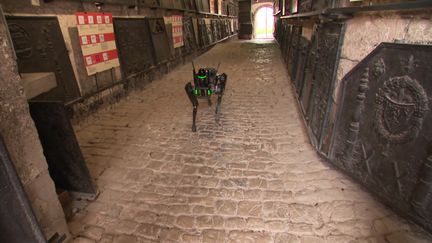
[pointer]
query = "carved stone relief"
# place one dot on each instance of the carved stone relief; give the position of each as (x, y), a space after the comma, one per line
(328, 38)
(302, 60)
(294, 51)
(188, 35)
(383, 134)
(40, 47)
(134, 45)
(159, 37)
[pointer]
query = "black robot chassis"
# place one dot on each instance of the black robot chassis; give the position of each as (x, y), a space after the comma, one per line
(206, 83)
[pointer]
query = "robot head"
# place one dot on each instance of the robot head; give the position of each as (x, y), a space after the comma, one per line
(222, 77)
(202, 74)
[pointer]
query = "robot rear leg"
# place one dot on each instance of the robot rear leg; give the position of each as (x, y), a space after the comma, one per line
(190, 93)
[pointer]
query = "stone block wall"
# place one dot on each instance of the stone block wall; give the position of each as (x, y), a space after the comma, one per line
(19, 133)
(361, 77)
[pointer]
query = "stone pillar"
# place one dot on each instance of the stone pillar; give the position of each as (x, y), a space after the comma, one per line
(22, 142)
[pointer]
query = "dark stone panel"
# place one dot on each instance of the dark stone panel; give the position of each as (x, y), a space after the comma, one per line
(287, 42)
(228, 30)
(328, 40)
(294, 51)
(302, 60)
(176, 4)
(149, 3)
(306, 88)
(189, 35)
(321, 4)
(215, 28)
(383, 134)
(134, 45)
(203, 35)
(17, 221)
(122, 2)
(209, 31)
(40, 47)
(66, 163)
(304, 6)
(205, 5)
(313, 5)
(190, 4)
(280, 33)
(169, 32)
(159, 38)
(199, 5)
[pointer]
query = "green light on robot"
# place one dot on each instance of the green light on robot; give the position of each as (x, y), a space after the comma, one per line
(196, 91)
(209, 92)
(202, 77)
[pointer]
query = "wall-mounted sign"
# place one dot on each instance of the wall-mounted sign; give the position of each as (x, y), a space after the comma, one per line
(177, 28)
(97, 40)
(294, 6)
(212, 6)
(176, 23)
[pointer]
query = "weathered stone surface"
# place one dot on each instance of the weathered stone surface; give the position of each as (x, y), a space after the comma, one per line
(214, 236)
(83, 240)
(126, 239)
(185, 221)
(93, 232)
(249, 208)
(20, 136)
(226, 207)
(249, 237)
(253, 177)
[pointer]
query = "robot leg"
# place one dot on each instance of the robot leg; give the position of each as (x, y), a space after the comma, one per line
(190, 93)
(222, 79)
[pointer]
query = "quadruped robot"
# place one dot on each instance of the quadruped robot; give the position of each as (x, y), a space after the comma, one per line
(206, 83)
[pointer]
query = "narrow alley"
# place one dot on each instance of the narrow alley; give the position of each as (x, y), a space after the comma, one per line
(252, 177)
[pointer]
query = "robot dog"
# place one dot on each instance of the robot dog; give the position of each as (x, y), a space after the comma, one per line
(205, 83)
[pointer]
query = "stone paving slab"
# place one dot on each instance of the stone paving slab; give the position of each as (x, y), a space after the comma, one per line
(254, 177)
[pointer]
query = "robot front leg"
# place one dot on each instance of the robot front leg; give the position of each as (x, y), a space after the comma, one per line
(190, 93)
(222, 84)
(217, 112)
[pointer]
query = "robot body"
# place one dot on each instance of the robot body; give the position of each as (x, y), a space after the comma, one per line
(205, 83)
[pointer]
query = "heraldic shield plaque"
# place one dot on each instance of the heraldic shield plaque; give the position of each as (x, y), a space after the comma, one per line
(383, 134)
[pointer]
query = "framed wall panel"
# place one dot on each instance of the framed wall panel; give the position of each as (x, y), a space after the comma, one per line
(161, 46)
(134, 45)
(383, 132)
(40, 47)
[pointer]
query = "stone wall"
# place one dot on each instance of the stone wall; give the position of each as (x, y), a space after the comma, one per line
(366, 31)
(355, 88)
(22, 141)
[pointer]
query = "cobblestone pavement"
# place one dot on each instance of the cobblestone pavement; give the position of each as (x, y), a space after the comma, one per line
(253, 177)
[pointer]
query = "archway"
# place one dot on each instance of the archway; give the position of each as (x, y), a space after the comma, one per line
(263, 22)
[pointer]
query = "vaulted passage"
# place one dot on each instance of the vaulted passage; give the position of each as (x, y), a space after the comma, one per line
(252, 177)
